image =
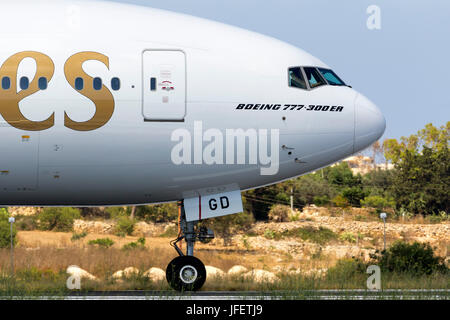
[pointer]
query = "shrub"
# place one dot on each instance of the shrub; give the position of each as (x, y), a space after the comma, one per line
(124, 225)
(116, 212)
(347, 236)
(26, 223)
(269, 234)
(341, 202)
(58, 219)
(166, 212)
(171, 231)
(139, 244)
(78, 236)
(320, 236)
(279, 213)
(5, 230)
(321, 201)
(35, 274)
(437, 218)
(377, 202)
(354, 195)
(104, 242)
(347, 269)
(414, 259)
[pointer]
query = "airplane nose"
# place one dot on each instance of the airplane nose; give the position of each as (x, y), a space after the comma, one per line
(369, 123)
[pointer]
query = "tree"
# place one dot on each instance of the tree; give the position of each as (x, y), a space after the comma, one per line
(259, 201)
(431, 137)
(420, 183)
(376, 148)
(5, 230)
(58, 219)
(341, 176)
(309, 188)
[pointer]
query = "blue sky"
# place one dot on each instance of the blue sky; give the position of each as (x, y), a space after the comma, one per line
(404, 67)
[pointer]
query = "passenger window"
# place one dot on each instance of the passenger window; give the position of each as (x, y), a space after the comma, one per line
(24, 83)
(115, 84)
(79, 83)
(6, 83)
(152, 84)
(97, 83)
(331, 77)
(296, 78)
(42, 83)
(314, 77)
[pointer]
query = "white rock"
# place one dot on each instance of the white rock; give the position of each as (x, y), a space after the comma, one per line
(125, 273)
(155, 274)
(78, 272)
(237, 270)
(261, 276)
(130, 271)
(213, 272)
(118, 274)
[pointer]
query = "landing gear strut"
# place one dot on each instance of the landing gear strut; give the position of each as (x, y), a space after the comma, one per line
(186, 272)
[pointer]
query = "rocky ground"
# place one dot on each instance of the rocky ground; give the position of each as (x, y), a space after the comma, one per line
(368, 235)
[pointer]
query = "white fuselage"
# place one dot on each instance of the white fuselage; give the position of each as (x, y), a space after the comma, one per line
(126, 157)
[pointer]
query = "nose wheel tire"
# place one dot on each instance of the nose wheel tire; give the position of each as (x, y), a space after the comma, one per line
(186, 273)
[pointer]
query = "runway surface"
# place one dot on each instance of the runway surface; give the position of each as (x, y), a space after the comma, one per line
(227, 295)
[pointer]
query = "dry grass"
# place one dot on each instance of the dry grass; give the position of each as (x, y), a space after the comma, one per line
(55, 250)
(41, 259)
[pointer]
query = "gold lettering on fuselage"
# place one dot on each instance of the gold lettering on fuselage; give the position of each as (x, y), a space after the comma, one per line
(10, 98)
(103, 99)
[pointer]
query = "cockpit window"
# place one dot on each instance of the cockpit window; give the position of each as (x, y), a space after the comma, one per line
(331, 77)
(296, 78)
(314, 78)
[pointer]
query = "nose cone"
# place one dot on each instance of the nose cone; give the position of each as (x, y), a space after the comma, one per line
(369, 123)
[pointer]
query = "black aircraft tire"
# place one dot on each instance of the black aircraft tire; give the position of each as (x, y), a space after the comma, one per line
(186, 273)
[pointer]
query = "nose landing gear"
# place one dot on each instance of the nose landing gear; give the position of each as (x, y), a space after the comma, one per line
(186, 272)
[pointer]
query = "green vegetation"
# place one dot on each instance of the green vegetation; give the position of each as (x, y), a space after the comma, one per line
(438, 218)
(170, 232)
(401, 263)
(225, 227)
(418, 184)
(5, 230)
(57, 219)
(421, 179)
(26, 223)
(321, 236)
(279, 213)
(103, 242)
(139, 244)
(153, 213)
(158, 213)
(124, 226)
(416, 259)
(377, 202)
(270, 234)
(346, 270)
(78, 236)
(348, 237)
